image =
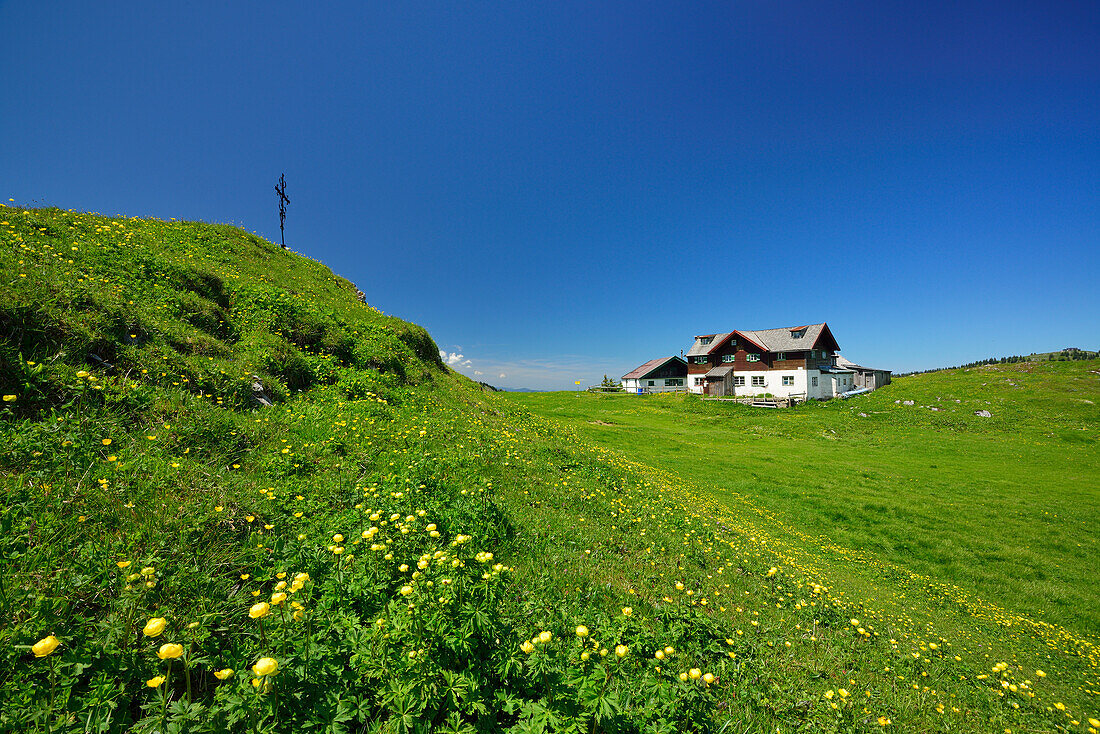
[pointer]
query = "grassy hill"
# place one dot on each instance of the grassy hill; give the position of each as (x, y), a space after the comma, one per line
(388, 547)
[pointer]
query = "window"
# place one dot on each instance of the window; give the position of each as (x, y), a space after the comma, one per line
(699, 360)
(738, 380)
(798, 333)
(704, 340)
(758, 381)
(699, 381)
(728, 357)
(674, 382)
(753, 358)
(651, 383)
(788, 380)
(814, 381)
(781, 355)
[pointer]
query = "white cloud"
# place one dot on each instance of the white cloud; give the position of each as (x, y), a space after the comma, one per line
(503, 376)
(454, 358)
(478, 373)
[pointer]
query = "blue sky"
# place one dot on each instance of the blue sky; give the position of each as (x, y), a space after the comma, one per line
(565, 189)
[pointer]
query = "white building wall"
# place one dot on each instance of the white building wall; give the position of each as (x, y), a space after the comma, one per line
(660, 384)
(773, 383)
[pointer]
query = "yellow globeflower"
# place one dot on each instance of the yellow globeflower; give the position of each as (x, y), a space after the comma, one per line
(148, 571)
(527, 647)
(123, 564)
(621, 650)
(338, 538)
(9, 398)
(265, 666)
(695, 674)
(260, 609)
(155, 682)
(627, 611)
(45, 646)
(278, 598)
(224, 673)
(545, 637)
(582, 631)
(154, 626)
(406, 590)
(708, 678)
(170, 651)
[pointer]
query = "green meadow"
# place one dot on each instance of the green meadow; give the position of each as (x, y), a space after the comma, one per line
(379, 545)
(1005, 507)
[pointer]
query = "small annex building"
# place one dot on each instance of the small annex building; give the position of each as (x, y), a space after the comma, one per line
(867, 378)
(657, 375)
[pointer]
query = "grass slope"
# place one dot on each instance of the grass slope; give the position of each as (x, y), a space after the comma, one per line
(402, 550)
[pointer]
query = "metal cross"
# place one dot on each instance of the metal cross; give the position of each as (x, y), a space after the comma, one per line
(283, 201)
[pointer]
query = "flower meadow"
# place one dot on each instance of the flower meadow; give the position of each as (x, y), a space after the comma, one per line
(388, 548)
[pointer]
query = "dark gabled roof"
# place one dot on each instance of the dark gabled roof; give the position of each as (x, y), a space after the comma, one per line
(698, 349)
(720, 371)
(780, 340)
(651, 366)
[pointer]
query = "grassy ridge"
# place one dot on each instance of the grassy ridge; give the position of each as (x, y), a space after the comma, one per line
(467, 565)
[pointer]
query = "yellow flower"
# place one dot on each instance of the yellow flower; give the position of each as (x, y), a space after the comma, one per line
(1060, 706)
(683, 676)
(406, 590)
(45, 646)
(544, 637)
(627, 611)
(883, 721)
(154, 626)
(338, 549)
(265, 666)
(148, 571)
(338, 538)
(223, 674)
(123, 564)
(708, 678)
(278, 598)
(260, 609)
(621, 650)
(695, 674)
(771, 572)
(170, 651)
(9, 398)
(527, 647)
(106, 442)
(582, 631)
(155, 682)
(218, 508)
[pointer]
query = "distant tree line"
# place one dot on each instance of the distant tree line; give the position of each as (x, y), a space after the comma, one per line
(1068, 354)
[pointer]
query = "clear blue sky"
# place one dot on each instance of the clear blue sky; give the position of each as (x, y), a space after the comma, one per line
(559, 190)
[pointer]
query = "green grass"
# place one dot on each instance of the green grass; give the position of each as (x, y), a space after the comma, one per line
(162, 461)
(1004, 506)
